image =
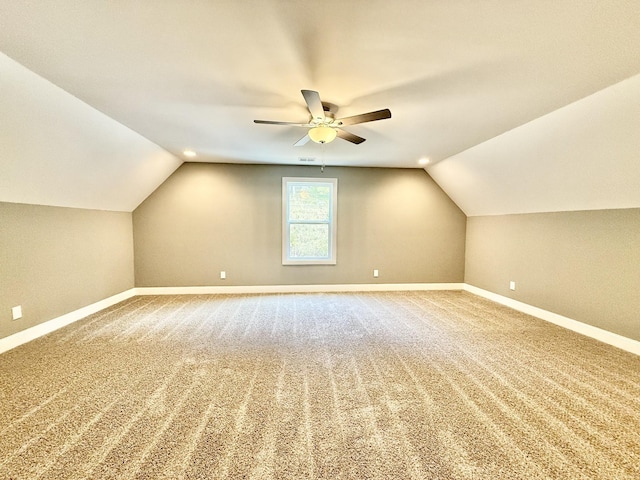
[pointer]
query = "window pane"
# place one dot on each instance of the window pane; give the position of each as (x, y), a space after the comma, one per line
(309, 220)
(309, 202)
(308, 240)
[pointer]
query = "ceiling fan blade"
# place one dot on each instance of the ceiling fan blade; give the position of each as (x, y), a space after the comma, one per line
(270, 122)
(302, 141)
(350, 137)
(365, 117)
(314, 104)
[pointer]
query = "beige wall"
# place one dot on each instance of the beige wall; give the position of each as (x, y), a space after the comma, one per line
(583, 265)
(55, 260)
(211, 217)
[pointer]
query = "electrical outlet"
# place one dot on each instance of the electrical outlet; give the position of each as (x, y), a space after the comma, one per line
(512, 285)
(16, 312)
(223, 274)
(376, 274)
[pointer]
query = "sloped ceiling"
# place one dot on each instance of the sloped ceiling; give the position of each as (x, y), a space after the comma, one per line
(57, 150)
(455, 74)
(585, 156)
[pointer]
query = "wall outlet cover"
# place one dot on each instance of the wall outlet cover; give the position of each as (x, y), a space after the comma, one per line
(16, 312)
(512, 285)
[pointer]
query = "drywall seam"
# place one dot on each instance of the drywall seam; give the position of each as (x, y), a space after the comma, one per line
(605, 336)
(24, 336)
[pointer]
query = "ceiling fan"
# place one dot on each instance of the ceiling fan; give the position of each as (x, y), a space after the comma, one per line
(323, 126)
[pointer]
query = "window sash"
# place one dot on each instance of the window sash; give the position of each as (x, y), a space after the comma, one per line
(287, 185)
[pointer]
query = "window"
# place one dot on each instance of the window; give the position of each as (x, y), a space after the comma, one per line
(309, 221)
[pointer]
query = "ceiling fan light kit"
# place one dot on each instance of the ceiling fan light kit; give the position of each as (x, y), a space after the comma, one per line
(323, 127)
(323, 134)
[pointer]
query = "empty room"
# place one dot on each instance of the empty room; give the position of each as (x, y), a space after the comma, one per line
(297, 240)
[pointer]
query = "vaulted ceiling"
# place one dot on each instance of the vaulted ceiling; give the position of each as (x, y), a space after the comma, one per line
(519, 105)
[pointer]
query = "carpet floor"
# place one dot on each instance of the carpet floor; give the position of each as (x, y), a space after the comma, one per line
(397, 385)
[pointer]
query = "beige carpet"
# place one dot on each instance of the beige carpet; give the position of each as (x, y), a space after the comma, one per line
(409, 385)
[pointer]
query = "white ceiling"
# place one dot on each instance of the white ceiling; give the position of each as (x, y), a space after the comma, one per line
(57, 150)
(455, 74)
(585, 156)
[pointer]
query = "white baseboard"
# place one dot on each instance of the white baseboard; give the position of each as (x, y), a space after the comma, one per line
(352, 287)
(49, 326)
(605, 336)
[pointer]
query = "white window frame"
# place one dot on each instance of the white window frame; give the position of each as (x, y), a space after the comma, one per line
(333, 221)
